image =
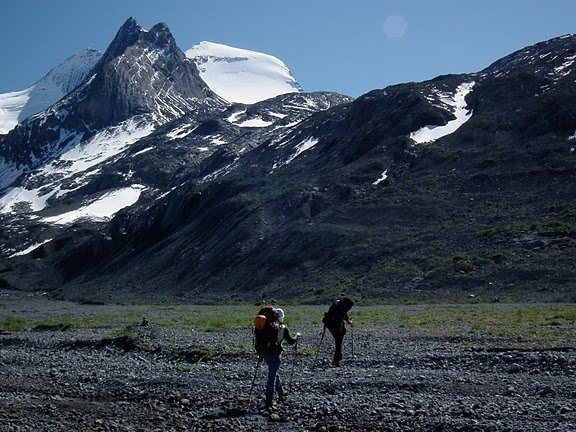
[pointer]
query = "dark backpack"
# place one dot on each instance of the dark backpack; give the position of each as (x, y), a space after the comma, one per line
(337, 312)
(266, 338)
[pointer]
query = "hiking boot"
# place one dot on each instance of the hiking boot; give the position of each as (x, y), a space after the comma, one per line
(335, 364)
(265, 407)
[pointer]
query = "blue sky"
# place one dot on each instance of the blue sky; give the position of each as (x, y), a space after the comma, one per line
(348, 46)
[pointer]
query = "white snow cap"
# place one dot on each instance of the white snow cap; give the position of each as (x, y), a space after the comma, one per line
(281, 314)
(19, 105)
(240, 75)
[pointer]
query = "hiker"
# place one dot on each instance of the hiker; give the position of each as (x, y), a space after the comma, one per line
(334, 321)
(269, 332)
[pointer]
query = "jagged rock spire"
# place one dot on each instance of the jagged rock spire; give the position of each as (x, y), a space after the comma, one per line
(127, 35)
(142, 72)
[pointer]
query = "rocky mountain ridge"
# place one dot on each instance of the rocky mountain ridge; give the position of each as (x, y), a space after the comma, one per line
(455, 188)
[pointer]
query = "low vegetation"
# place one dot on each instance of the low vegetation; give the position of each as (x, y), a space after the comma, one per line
(529, 326)
(538, 324)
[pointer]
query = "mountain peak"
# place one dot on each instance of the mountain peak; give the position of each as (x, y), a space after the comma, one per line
(127, 36)
(160, 37)
(142, 73)
(130, 25)
(137, 67)
(241, 75)
(160, 29)
(72, 71)
(17, 106)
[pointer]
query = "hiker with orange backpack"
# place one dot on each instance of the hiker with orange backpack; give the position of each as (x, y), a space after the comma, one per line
(270, 332)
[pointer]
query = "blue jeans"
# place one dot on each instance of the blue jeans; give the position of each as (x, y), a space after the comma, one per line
(273, 361)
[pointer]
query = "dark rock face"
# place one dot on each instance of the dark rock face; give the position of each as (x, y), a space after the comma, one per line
(127, 36)
(142, 72)
(309, 195)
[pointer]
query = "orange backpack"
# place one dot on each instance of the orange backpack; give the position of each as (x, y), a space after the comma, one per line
(259, 322)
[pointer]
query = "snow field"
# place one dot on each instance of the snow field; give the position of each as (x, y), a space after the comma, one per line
(428, 134)
(103, 208)
(240, 75)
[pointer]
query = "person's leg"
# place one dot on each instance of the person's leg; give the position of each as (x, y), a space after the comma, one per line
(278, 382)
(338, 351)
(273, 362)
(338, 334)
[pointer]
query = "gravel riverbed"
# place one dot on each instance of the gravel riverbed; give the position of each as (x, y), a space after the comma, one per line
(174, 378)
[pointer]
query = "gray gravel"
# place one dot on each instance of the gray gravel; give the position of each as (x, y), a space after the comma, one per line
(162, 379)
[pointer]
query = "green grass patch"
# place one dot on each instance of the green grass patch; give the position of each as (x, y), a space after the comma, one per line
(13, 323)
(541, 324)
(546, 323)
(367, 317)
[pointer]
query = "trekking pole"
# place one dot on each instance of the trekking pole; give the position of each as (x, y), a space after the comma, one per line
(318, 349)
(293, 364)
(254, 380)
(352, 337)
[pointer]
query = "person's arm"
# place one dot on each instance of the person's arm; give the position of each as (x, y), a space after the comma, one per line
(288, 337)
(348, 319)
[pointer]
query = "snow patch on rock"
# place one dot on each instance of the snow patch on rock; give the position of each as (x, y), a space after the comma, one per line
(103, 208)
(457, 104)
(29, 249)
(102, 146)
(79, 158)
(383, 177)
(300, 148)
(181, 131)
(254, 122)
(33, 199)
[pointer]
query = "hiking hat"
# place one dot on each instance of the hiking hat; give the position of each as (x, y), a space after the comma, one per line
(281, 315)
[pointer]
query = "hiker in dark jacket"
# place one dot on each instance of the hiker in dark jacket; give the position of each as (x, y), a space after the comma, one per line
(334, 321)
(269, 346)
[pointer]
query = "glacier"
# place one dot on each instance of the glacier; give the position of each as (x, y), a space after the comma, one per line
(240, 75)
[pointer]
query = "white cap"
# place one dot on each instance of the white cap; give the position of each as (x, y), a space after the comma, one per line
(280, 313)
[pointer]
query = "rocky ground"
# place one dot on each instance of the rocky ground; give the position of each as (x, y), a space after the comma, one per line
(172, 377)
